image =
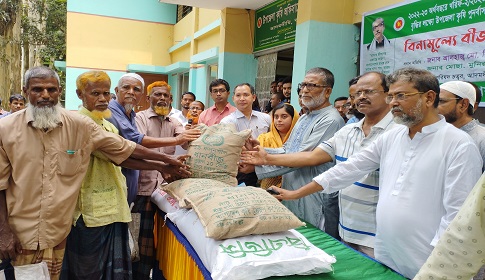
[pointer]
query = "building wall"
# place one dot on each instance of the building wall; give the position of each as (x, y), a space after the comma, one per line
(114, 35)
(109, 35)
(327, 36)
(362, 6)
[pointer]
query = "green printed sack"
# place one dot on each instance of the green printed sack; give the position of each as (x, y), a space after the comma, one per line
(215, 154)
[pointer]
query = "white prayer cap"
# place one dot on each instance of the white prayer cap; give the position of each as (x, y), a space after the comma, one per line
(134, 75)
(461, 89)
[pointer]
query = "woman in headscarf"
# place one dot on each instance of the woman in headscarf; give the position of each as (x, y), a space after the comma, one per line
(283, 121)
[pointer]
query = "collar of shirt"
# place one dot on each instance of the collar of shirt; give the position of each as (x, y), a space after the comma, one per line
(116, 106)
(319, 111)
(434, 126)
(470, 125)
(82, 110)
(238, 114)
(382, 124)
(227, 107)
(174, 111)
(100, 121)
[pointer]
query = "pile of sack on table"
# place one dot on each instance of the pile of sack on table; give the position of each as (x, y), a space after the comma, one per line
(238, 232)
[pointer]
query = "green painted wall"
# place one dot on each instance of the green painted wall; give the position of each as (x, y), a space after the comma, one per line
(237, 68)
(198, 84)
(329, 45)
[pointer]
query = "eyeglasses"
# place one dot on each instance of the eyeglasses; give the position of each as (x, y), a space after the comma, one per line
(347, 105)
(400, 96)
(221, 90)
(366, 93)
(374, 27)
(310, 86)
(444, 100)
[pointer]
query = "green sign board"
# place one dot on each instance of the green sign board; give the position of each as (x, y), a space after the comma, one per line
(445, 37)
(275, 24)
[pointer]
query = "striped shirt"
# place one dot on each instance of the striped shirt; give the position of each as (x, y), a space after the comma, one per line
(358, 202)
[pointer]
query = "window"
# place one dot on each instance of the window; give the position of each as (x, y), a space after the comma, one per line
(211, 76)
(183, 87)
(182, 11)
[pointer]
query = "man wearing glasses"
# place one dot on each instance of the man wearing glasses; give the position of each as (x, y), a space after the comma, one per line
(219, 90)
(457, 100)
(319, 124)
(426, 170)
(379, 41)
(357, 202)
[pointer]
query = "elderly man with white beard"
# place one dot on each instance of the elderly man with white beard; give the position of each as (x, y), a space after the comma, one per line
(426, 170)
(319, 124)
(44, 154)
(155, 122)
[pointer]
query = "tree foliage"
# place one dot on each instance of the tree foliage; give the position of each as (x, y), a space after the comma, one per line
(8, 14)
(44, 25)
(32, 32)
(10, 51)
(44, 32)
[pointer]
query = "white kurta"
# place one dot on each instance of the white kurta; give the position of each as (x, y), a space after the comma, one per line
(423, 182)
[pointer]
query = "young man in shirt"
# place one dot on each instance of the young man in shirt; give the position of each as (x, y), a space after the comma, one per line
(187, 98)
(287, 89)
(247, 118)
(339, 104)
(16, 103)
(426, 170)
(219, 90)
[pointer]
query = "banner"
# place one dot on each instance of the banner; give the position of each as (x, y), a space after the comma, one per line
(275, 24)
(445, 37)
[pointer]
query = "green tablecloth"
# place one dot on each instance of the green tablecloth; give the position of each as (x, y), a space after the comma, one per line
(350, 264)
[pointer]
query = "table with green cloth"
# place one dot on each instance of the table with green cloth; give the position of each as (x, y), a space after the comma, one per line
(350, 265)
(179, 260)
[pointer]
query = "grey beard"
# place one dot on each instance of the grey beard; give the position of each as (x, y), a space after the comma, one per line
(315, 102)
(129, 108)
(412, 119)
(45, 117)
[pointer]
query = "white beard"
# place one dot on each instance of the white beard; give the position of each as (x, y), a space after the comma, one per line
(45, 117)
(129, 108)
(315, 102)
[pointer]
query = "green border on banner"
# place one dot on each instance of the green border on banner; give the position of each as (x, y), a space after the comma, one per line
(445, 37)
(425, 16)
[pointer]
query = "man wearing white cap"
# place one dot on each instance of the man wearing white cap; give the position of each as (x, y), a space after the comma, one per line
(128, 94)
(456, 103)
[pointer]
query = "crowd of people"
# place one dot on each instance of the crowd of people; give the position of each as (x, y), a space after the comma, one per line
(385, 170)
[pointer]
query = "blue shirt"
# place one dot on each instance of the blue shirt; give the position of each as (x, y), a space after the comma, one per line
(353, 119)
(4, 115)
(127, 129)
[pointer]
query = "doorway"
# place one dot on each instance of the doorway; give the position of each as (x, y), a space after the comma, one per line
(149, 78)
